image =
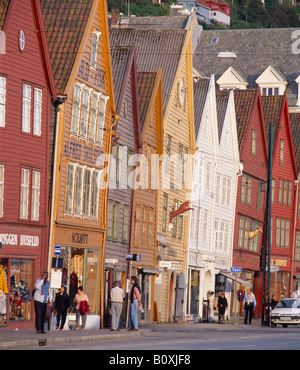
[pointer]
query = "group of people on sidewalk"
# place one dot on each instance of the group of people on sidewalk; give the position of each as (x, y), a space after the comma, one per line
(249, 304)
(43, 301)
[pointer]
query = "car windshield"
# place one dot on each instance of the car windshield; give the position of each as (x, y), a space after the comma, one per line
(289, 303)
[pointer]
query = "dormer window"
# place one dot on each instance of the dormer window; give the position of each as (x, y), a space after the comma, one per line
(270, 91)
(95, 39)
(271, 82)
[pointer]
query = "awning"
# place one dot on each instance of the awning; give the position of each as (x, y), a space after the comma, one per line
(238, 280)
(146, 270)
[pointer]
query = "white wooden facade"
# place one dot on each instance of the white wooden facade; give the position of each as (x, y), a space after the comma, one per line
(213, 199)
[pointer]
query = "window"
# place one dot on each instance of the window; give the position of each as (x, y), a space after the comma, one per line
(26, 108)
(87, 192)
(95, 37)
(21, 40)
(113, 220)
(126, 224)
(253, 142)
(70, 188)
(37, 118)
(84, 112)
(247, 224)
(179, 164)
(78, 191)
(2, 100)
(150, 226)
(165, 213)
(175, 219)
(24, 193)
(259, 194)
(101, 119)
(246, 189)
(95, 194)
(185, 166)
(195, 224)
(76, 108)
(297, 247)
(93, 116)
(282, 233)
(35, 197)
(221, 235)
(285, 192)
(281, 152)
(1, 189)
(168, 153)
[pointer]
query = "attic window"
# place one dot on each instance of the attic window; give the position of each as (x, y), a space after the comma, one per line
(214, 40)
(227, 56)
(95, 38)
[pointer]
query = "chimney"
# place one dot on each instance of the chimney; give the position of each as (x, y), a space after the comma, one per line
(115, 17)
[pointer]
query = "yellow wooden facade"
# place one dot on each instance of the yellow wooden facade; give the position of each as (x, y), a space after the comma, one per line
(78, 214)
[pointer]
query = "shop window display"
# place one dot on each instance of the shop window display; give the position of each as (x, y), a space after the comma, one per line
(21, 280)
(80, 268)
(20, 273)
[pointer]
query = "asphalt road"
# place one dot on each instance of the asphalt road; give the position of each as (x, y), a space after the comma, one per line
(275, 339)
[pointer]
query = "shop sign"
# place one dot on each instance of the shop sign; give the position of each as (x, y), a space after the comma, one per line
(25, 240)
(79, 238)
(171, 265)
(111, 260)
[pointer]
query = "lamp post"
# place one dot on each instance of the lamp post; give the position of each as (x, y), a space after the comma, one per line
(267, 231)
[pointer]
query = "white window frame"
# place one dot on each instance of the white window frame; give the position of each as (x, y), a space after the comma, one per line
(85, 110)
(94, 194)
(24, 195)
(95, 39)
(26, 108)
(101, 119)
(76, 108)
(37, 112)
(70, 176)
(93, 115)
(1, 190)
(35, 196)
(86, 209)
(76, 211)
(2, 101)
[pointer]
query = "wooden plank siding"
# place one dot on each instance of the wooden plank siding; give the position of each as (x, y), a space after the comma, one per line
(250, 117)
(283, 173)
(24, 150)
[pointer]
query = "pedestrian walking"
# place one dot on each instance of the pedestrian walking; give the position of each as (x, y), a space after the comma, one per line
(211, 306)
(41, 299)
(117, 295)
(222, 306)
(62, 303)
(135, 303)
(249, 306)
(82, 307)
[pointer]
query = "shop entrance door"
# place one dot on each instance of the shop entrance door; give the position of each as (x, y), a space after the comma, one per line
(179, 300)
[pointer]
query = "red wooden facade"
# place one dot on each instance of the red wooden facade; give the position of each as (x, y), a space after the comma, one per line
(250, 206)
(27, 88)
(284, 175)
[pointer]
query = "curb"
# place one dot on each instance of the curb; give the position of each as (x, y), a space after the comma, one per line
(46, 340)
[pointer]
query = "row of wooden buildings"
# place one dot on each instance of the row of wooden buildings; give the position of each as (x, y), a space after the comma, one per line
(120, 156)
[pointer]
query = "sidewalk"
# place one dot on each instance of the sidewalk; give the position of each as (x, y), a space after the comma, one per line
(20, 338)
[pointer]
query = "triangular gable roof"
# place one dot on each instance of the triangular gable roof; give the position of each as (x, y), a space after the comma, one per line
(244, 102)
(295, 129)
(222, 103)
(65, 23)
(233, 77)
(274, 109)
(155, 49)
(145, 82)
(123, 61)
(272, 74)
(6, 7)
(200, 95)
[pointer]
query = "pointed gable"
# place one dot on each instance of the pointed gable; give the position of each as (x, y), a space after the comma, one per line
(155, 49)
(65, 25)
(295, 129)
(244, 101)
(200, 95)
(222, 103)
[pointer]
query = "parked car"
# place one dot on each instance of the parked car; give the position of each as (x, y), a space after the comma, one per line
(286, 312)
